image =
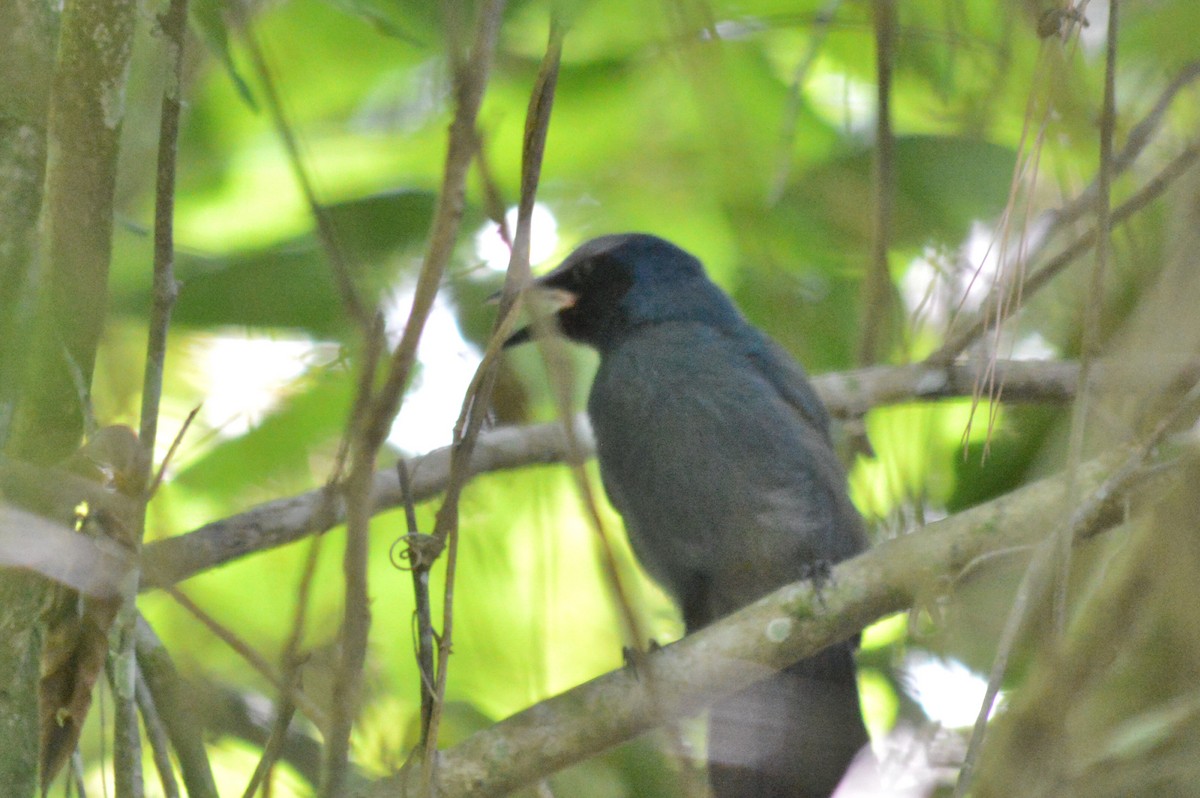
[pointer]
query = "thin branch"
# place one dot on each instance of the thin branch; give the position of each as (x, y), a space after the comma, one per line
(251, 657)
(284, 521)
(173, 25)
(284, 712)
(343, 273)
(157, 737)
(470, 80)
(228, 712)
(847, 395)
(291, 659)
(127, 743)
(176, 711)
(420, 557)
(1141, 135)
(576, 450)
(877, 286)
(1153, 189)
(478, 398)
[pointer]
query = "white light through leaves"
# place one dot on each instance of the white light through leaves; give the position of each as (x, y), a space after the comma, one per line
(543, 238)
(949, 692)
(447, 363)
(245, 376)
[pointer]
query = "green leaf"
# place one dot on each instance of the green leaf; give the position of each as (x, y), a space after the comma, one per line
(291, 285)
(278, 449)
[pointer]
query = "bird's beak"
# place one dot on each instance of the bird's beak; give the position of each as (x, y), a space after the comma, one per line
(544, 301)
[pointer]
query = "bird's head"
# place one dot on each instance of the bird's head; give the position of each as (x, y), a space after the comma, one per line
(614, 284)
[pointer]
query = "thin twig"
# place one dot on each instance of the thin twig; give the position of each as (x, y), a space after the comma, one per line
(173, 25)
(162, 467)
(252, 657)
(343, 273)
(157, 736)
(877, 287)
(291, 659)
(284, 711)
(470, 80)
(175, 708)
(478, 398)
(165, 290)
(1153, 189)
(1141, 135)
(421, 563)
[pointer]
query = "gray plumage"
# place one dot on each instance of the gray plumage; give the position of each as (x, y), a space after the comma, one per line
(716, 452)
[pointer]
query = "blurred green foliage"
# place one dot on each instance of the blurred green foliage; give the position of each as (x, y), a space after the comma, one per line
(746, 135)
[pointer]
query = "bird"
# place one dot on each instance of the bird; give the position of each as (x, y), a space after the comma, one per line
(716, 451)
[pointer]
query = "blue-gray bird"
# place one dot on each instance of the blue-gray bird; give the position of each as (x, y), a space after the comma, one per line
(716, 451)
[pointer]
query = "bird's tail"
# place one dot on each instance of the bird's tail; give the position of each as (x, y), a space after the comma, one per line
(793, 734)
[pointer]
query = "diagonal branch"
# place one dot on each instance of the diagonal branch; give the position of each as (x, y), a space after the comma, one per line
(1154, 188)
(1007, 297)
(791, 623)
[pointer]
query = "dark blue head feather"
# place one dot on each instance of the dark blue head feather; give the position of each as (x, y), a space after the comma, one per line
(623, 282)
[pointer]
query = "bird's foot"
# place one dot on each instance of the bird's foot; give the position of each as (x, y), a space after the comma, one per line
(635, 658)
(820, 573)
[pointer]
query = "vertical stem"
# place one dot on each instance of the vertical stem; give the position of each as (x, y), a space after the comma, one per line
(475, 404)
(421, 566)
(84, 126)
(28, 30)
(877, 288)
(174, 26)
(127, 741)
(470, 81)
(1094, 301)
(27, 35)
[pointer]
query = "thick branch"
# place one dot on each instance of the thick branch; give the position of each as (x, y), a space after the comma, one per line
(791, 623)
(27, 35)
(86, 109)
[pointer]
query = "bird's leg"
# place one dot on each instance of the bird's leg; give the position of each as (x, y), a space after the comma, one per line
(820, 573)
(635, 658)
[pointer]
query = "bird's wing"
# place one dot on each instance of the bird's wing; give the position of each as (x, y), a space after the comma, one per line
(788, 377)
